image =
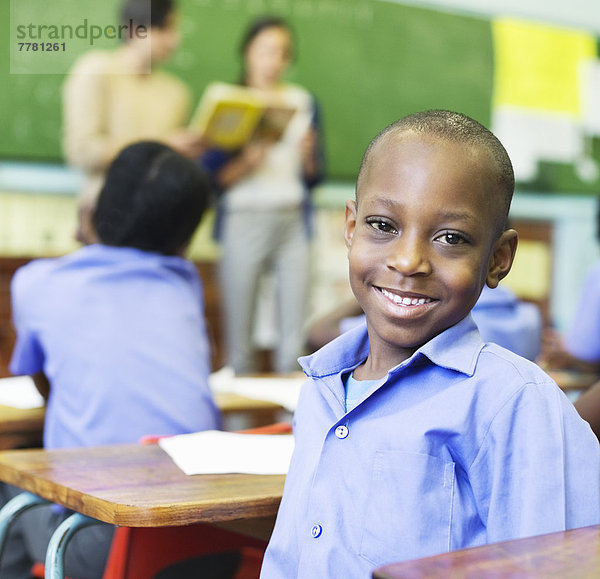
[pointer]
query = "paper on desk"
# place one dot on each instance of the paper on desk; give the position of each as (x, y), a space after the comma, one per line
(281, 390)
(20, 392)
(217, 452)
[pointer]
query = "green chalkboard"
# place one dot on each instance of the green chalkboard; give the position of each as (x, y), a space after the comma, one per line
(368, 62)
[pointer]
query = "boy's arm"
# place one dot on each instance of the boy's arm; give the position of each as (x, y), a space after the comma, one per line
(28, 353)
(555, 355)
(538, 468)
(42, 384)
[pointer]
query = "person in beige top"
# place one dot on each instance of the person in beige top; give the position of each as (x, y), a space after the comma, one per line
(114, 98)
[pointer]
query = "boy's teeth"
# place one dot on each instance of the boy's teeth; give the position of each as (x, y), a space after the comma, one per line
(405, 301)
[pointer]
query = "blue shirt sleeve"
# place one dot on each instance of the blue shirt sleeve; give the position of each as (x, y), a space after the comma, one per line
(28, 355)
(529, 489)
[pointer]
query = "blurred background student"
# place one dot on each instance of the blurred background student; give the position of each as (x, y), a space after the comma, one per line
(579, 347)
(264, 205)
(113, 98)
(114, 335)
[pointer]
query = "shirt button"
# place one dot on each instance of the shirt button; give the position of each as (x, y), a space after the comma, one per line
(341, 431)
(316, 531)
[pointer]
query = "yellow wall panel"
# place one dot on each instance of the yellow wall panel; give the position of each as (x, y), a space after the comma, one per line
(537, 66)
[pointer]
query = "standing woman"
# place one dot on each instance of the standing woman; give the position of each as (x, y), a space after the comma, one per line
(264, 207)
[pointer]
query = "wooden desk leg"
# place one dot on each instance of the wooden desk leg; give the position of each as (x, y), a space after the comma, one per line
(12, 509)
(55, 553)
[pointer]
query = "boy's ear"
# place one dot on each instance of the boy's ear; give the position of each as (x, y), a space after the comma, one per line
(502, 257)
(350, 223)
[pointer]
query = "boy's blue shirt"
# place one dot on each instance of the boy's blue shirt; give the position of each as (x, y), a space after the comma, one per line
(120, 334)
(464, 444)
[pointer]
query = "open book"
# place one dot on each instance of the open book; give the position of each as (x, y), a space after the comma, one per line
(228, 116)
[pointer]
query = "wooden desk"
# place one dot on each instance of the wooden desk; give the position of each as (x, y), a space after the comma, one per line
(570, 554)
(138, 486)
(20, 427)
(256, 412)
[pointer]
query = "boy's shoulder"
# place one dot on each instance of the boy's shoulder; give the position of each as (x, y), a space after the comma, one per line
(35, 272)
(495, 360)
(94, 257)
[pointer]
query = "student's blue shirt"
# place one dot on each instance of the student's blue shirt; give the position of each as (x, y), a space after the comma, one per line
(506, 320)
(465, 443)
(121, 336)
(583, 338)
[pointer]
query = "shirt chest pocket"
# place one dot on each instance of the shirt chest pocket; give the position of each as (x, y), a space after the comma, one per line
(409, 507)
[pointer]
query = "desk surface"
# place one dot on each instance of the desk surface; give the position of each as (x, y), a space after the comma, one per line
(138, 486)
(569, 554)
(231, 402)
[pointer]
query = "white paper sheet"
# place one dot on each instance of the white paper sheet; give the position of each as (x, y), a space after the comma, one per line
(281, 390)
(216, 452)
(20, 392)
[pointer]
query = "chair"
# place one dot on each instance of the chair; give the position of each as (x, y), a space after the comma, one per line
(143, 552)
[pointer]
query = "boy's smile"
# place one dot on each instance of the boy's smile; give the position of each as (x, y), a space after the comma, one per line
(422, 241)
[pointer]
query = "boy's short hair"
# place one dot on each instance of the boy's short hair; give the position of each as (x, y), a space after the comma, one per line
(152, 199)
(149, 13)
(459, 128)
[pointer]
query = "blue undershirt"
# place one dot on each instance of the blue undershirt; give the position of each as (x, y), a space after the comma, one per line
(356, 389)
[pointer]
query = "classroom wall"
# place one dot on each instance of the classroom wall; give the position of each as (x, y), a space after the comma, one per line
(367, 62)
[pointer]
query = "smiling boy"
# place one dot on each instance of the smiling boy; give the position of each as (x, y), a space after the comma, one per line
(413, 437)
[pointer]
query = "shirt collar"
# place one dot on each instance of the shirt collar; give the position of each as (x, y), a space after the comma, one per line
(345, 352)
(457, 348)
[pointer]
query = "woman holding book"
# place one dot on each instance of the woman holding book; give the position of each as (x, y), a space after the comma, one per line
(264, 206)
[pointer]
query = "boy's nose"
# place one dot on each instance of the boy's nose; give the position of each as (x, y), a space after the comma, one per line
(409, 256)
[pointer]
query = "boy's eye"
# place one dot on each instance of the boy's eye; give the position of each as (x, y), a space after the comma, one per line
(381, 225)
(450, 238)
